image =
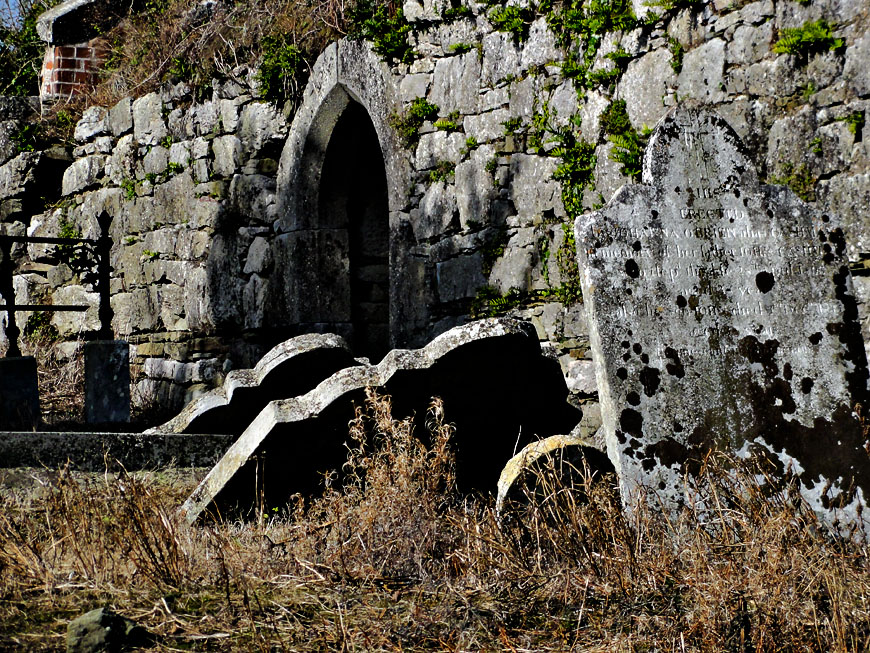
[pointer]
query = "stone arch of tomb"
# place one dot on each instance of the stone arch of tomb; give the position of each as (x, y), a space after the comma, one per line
(343, 185)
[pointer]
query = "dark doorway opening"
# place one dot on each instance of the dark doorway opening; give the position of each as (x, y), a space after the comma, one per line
(353, 197)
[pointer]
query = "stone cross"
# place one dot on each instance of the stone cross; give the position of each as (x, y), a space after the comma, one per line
(722, 317)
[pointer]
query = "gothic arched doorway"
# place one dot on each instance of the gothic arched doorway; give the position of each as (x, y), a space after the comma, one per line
(353, 197)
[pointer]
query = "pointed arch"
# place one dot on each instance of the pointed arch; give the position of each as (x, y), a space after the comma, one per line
(343, 184)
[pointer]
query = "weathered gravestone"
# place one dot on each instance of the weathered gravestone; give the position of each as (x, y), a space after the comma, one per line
(722, 317)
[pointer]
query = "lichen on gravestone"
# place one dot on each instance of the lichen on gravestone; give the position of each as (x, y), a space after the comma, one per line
(722, 317)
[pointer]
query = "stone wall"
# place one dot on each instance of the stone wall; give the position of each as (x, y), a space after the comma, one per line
(220, 252)
(190, 186)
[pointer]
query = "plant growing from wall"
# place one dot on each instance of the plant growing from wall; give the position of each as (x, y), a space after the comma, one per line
(29, 137)
(408, 123)
(442, 171)
(385, 26)
(129, 187)
(855, 122)
(460, 48)
(576, 170)
(455, 13)
(493, 249)
(513, 20)
(810, 38)
(182, 68)
(280, 68)
(798, 178)
(470, 145)
(449, 123)
(39, 327)
(512, 126)
(579, 27)
(677, 52)
(539, 126)
(568, 292)
(492, 168)
(675, 5)
(628, 144)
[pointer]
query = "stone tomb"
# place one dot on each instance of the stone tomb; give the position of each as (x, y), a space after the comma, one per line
(722, 317)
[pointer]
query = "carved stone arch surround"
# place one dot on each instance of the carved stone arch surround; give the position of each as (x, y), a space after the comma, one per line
(307, 259)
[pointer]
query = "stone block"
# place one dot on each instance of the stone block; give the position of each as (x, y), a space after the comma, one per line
(702, 75)
(487, 127)
(121, 117)
(646, 82)
(856, 72)
(413, 86)
(436, 213)
(540, 47)
(459, 277)
(514, 268)
(455, 83)
(532, 187)
(107, 382)
(501, 58)
(156, 160)
(474, 188)
(259, 258)
(439, 146)
(94, 121)
(149, 127)
(227, 155)
(83, 174)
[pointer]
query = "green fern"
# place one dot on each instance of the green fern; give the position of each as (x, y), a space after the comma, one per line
(811, 38)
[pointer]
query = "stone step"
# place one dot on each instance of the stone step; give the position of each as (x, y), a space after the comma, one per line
(499, 389)
(91, 452)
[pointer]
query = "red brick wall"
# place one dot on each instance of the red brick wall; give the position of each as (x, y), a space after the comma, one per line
(68, 68)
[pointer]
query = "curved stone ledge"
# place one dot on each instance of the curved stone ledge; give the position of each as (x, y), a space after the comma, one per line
(289, 369)
(499, 391)
(574, 457)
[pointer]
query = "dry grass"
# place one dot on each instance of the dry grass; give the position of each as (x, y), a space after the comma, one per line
(61, 374)
(393, 558)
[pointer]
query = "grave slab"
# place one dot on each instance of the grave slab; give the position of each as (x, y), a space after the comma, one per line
(291, 368)
(722, 317)
(500, 392)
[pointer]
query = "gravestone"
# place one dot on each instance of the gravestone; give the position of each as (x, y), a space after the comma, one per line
(722, 317)
(107, 382)
(19, 394)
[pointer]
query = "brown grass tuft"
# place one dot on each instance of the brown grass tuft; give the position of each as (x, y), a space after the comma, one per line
(391, 557)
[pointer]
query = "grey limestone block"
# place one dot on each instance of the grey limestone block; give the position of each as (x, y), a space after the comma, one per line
(94, 121)
(121, 117)
(148, 124)
(722, 317)
(83, 174)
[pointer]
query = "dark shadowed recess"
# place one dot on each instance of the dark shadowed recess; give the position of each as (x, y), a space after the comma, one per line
(353, 196)
(501, 394)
